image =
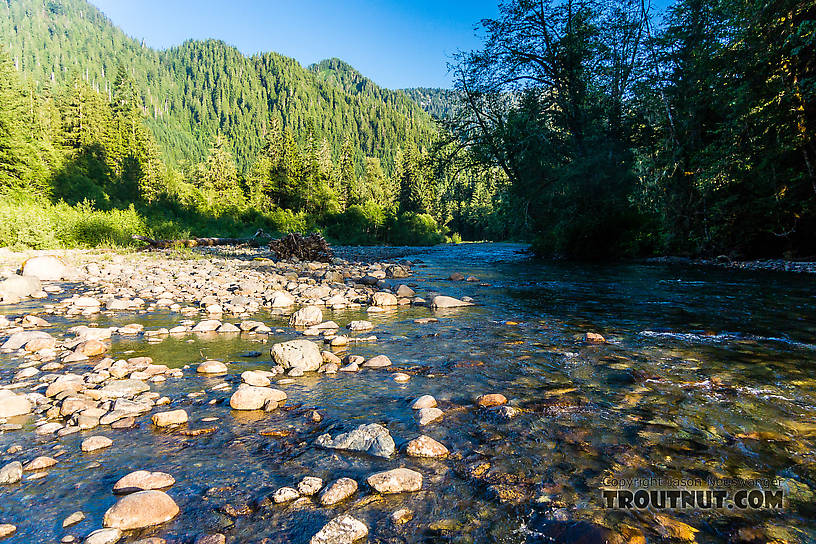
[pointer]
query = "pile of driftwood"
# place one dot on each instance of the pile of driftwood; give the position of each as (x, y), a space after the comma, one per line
(306, 248)
(292, 246)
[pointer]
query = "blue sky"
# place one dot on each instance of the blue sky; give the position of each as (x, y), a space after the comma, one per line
(396, 43)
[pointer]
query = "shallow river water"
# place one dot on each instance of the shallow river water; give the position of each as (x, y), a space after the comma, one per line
(706, 374)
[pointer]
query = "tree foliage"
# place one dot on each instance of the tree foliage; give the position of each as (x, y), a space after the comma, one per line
(620, 138)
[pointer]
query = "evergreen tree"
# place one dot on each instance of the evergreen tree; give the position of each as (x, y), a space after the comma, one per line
(218, 179)
(20, 164)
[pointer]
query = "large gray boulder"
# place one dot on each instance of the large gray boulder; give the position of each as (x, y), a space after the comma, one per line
(443, 301)
(45, 268)
(141, 509)
(373, 439)
(12, 404)
(306, 317)
(300, 354)
(15, 288)
(250, 397)
(20, 339)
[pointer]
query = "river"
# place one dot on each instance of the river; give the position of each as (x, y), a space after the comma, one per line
(705, 374)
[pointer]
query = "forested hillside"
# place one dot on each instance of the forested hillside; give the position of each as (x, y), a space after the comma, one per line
(438, 102)
(197, 90)
(201, 139)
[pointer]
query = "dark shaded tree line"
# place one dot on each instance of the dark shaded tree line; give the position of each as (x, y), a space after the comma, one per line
(622, 133)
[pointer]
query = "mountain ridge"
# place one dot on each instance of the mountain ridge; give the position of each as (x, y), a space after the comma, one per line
(196, 90)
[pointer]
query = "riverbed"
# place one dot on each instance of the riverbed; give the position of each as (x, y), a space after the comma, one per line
(702, 375)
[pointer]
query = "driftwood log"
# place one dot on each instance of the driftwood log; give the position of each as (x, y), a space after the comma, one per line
(306, 248)
(292, 246)
(256, 240)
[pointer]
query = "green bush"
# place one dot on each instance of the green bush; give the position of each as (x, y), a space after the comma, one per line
(415, 229)
(29, 221)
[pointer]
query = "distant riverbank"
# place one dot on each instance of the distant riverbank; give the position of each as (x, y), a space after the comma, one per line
(770, 265)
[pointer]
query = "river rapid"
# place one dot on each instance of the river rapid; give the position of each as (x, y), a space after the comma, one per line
(705, 381)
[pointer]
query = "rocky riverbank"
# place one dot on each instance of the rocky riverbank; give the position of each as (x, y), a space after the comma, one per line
(767, 265)
(65, 382)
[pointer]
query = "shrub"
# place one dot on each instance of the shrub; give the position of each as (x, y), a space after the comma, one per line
(415, 229)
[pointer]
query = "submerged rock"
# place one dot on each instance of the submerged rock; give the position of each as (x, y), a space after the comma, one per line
(215, 538)
(361, 325)
(373, 439)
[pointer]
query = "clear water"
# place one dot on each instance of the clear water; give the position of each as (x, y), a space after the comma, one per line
(697, 360)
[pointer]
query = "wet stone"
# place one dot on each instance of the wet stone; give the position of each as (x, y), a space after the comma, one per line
(285, 494)
(11, 473)
(104, 536)
(309, 486)
(398, 480)
(426, 416)
(338, 491)
(341, 530)
(95, 443)
(40, 463)
(142, 480)
(166, 419)
(425, 401)
(73, 519)
(141, 509)
(425, 446)
(373, 439)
